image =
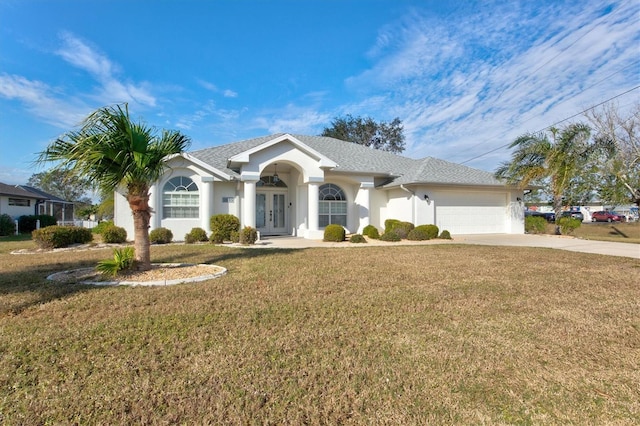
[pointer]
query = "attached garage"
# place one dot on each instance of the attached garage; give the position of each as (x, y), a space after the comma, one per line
(466, 212)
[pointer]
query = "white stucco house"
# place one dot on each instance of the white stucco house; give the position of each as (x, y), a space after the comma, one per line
(286, 184)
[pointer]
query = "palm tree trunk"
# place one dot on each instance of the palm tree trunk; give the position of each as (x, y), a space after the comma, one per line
(139, 204)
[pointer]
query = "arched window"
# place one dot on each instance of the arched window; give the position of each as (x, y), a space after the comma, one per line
(180, 198)
(333, 205)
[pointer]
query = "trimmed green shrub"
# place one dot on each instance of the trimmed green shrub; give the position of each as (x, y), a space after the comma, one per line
(61, 236)
(223, 225)
(248, 235)
(371, 232)
(390, 236)
(216, 237)
(357, 238)
(234, 237)
(418, 233)
(535, 224)
(28, 223)
(196, 235)
(7, 225)
(114, 235)
(335, 233)
(432, 230)
(569, 224)
(389, 224)
(123, 260)
(102, 226)
(160, 236)
(403, 229)
(445, 235)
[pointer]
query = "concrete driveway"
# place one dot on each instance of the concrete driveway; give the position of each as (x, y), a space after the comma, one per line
(555, 242)
(523, 240)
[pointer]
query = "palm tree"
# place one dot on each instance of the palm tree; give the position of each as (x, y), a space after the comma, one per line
(560, 160)
(115, 153)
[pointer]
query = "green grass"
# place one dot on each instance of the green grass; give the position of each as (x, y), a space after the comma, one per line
(440, 334)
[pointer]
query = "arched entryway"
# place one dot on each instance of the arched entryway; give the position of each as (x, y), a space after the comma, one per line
(272, 214)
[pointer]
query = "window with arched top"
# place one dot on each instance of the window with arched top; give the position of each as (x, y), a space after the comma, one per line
(333, 205)
(180, 199)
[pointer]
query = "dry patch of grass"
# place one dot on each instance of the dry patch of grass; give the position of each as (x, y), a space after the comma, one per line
(615, 232)
(444, 334)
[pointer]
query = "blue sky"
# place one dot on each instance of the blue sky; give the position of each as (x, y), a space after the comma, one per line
(465, 77)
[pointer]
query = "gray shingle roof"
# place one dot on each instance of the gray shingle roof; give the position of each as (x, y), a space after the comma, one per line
(351, 157)
(17, 191)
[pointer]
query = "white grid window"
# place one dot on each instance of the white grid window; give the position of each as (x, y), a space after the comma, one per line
(180, 199)
(333, 206)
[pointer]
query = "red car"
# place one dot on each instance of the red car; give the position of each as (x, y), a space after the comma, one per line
(606, 217)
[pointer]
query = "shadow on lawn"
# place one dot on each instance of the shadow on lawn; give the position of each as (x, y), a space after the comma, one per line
(618, 232)
(29, 286)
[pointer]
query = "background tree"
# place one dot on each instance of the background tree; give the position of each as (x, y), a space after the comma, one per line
(559, 159)
(620, 173)
(366, 131)
(115, 153)
(62, 183)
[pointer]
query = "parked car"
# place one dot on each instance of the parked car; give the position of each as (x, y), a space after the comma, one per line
(604, 216)
(575, 215)
(549, 216)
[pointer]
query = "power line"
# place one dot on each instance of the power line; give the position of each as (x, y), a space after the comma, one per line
(554, 124)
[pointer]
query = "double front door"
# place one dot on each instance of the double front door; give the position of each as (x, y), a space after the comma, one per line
(271, 213)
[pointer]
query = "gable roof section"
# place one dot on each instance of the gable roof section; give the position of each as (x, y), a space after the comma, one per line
(44, 195)
(18, 191)
(244, 156)
(350, 157)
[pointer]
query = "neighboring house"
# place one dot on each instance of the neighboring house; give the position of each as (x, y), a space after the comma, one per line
(287, 184)
(54, 206)
(22, 200)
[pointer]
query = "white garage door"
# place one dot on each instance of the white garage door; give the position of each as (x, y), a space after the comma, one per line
(472, 213)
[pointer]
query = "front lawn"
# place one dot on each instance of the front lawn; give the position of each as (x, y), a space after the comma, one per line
(436, 334)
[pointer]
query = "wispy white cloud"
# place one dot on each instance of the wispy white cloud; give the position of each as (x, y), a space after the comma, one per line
(466, 87)
(227, 93)
(42, 101)
(111, 89)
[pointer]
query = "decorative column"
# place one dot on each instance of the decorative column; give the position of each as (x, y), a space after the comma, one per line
(313, 190)
(249, 204)
(206, 203)
(364, 205)
(156, 206)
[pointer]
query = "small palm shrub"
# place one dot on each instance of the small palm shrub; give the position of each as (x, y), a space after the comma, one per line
(389, 224)
(357, 239)
(445, 235)
(223, 225)
(102, 226)
(61, 236)
(196, 235)
(535, 224)
(7, 225)
(335, 233)
(371, 232)
(390, 236)
(248, 235)
(569, 224)
(114, 235)
(160, 236)
(123, 260)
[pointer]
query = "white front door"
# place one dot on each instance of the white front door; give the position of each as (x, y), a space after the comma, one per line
(271, 213)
